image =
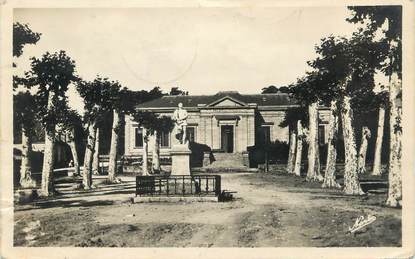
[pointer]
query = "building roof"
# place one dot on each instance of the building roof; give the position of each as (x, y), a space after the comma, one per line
(189, 101)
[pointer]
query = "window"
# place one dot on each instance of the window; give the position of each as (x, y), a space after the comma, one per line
(191, 134)
(165, 139)
(139, 137)
(321, 134)
(264, 135)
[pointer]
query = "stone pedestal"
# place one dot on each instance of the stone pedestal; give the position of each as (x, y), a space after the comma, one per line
(180, 159)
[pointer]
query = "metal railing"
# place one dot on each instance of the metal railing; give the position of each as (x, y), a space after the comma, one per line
(178, 185)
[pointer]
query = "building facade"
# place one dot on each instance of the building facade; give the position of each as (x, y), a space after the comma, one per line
(226, 122)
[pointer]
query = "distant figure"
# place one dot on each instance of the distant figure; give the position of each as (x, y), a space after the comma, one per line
(70, 163)
(180, 117)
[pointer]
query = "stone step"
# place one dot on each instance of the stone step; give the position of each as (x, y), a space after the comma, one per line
(225, 161)
(216, 170)
(228, 155)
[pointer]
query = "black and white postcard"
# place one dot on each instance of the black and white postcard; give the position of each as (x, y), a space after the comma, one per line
(197, 129)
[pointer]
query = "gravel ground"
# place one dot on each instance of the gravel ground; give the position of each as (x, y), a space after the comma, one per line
(269, 209)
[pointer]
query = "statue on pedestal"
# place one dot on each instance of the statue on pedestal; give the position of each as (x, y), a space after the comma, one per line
(180, 154)
(180, 117)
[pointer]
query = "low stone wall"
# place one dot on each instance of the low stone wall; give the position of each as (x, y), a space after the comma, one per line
(176, 199)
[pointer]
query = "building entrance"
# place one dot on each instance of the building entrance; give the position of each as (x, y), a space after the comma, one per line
(227, 138)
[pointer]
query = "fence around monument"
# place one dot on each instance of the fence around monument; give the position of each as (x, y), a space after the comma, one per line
(178, 185)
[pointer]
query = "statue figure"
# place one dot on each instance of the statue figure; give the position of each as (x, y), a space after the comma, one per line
(180, 117)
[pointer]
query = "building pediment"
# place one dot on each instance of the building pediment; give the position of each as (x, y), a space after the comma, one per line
(227, 101)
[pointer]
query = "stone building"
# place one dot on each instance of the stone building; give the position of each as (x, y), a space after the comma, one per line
(227, 122)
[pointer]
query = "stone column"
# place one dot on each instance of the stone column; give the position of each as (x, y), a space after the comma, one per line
(208, 132)
(245, 158)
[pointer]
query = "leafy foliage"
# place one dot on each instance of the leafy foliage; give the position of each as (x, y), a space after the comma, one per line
(152, 122)
(51, 74)
(127, 99)
(340, 59)
(71, 122)
(20, 81)
(24, 111)
(306, 89)
(344, 66)
(388, 21)
(273, 89)
(130, 99)
(376, 16)
(292, 115)
(379, 17)
(23, 35)
(177, 91)
(99, 96)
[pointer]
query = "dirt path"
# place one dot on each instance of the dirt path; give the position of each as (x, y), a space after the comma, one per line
(268, 210)
(310, 216)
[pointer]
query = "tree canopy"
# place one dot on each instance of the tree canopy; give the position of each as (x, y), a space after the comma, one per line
(340, 58)
(127, 100)
(24, 111)
(178, 91)
(72, 121)
(23, 35)
(99, 96)
(153, 122)
(52, 73)
(273, 89)
(292, 115)
(389, 20)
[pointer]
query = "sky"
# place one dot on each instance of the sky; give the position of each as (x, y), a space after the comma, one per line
(200, 50)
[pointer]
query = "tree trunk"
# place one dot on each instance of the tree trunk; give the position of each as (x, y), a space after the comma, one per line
(377, 164)
(47, 186)
(156, 154)
(112, 167)
(299, 150)
(395, 154)
(145, 153)
(48, 161)
(351, 181)
(313, 172)
(95, 159)
(89, 153)
(26, 180)
(361, 162)
(72, 145)
(330, 173)
(291, 154)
